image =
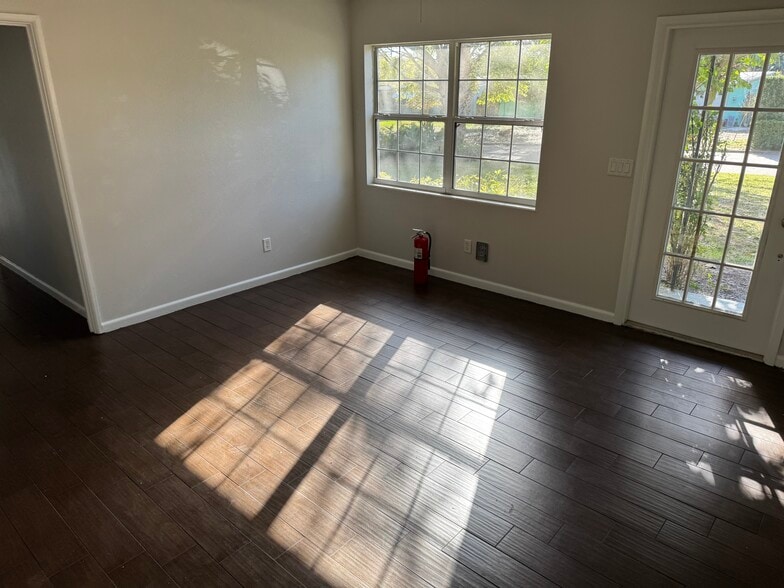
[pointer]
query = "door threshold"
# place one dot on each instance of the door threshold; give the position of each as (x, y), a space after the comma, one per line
(694, 341)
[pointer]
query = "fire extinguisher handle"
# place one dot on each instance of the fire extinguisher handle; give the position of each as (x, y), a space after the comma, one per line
(429, 247)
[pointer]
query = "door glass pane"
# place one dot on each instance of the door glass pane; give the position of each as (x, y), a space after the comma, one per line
(756, 191)
(672, 278)
(713, 237)
(709, 81)
(733, 136)
(767, 138)
(744, 242)
(690, 186)
(702, 283)
(722, 188)
(725, 179)
(683, 231)
(733, 289)
(773, 87)
(745, 74)
(700, 134)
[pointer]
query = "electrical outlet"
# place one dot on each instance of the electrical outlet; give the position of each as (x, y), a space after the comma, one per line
(482, 250)
(266, 244)
(620, 167)
(466, 245)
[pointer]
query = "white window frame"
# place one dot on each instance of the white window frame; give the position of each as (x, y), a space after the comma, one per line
(450, 120)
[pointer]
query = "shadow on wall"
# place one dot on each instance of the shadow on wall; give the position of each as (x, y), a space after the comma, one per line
(227, 67)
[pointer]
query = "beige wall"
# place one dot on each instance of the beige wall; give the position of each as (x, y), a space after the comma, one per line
(33, 229)
(194, 129)
(571, 247)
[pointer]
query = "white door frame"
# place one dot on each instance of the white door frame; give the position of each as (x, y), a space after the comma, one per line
(666, 26)
(35, 35)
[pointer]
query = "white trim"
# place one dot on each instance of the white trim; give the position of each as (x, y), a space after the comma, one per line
(780, 361)
(162, 309)
(54, 125)
(573, 307)
(666, 26)
(41, 285)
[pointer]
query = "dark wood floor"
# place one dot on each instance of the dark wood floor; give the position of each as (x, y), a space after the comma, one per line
(338, 429)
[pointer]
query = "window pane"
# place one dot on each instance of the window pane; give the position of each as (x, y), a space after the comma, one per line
(523, 180)
(387, 134)
(409, 168)
(744, 242)
(468, 140)
(467, 174)
(773, 88)
(690, 185)
(388, 97)
(409, 135)
(745, 74)
(702, 283)
(472, 98)
(410, 97)
(435, 99)
(756, 191)
(496, 142)
(433, 138)
(432, 170)
(473, 61)
(387, 165)
(387, 63)
(733, 290)
(437, 62)
(494, 177)
(709, 80)
(531, 99)
(672, 278)
(767, 138)
(411, 62)
(733, 136)
(700, 133)
(527, 144)
(534, 59)
(723, 186)
(501, 96)
(713, 237)
(683, 230)
(504, 60)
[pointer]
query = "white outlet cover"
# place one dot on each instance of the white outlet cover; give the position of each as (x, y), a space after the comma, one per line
(620, 167)
(266, 244)
(466, 245)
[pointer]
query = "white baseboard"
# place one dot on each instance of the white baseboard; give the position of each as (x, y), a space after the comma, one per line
(156, 311)
(41, 285)
(589, 311)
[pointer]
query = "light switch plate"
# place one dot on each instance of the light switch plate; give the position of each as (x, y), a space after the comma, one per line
(620, 167)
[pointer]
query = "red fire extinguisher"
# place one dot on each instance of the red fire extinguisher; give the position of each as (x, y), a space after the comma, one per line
(422, 245)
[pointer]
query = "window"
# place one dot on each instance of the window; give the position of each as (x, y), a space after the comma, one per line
(472, 129)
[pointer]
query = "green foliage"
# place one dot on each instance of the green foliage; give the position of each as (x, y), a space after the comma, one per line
(768, 133)
(522, 182)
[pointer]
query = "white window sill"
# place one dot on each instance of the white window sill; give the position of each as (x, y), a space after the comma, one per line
(476, 200)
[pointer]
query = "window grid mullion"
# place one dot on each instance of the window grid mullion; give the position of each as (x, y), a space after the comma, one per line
(449, 129)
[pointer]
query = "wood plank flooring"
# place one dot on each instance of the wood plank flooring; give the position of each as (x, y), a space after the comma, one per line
(339, 429)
